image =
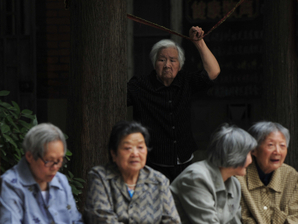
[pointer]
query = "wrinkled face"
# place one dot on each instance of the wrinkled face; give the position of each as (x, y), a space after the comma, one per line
(42, 174)
(241, 170)
(131, 154)
(167, 65)
(271, 154)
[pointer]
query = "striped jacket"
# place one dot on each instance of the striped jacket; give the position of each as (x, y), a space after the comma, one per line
(108, 200)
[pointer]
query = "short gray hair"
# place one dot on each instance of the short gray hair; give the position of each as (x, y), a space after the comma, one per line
(262, 129)
(229, 146)
(39, 136)
(166, 43)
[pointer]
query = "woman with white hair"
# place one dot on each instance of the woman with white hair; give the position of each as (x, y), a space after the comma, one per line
(270, 187)
(207, 191)
(33, 191)
(162, 102)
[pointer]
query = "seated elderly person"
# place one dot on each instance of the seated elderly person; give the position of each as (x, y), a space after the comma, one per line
(270, 187)
(125, 190)
(33, 191)
(207, 191)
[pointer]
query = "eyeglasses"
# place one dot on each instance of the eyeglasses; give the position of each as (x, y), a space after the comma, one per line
(59, 163)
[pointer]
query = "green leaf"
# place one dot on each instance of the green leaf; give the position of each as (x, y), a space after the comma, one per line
(34, 121)
(16, 106)
(79, 179)
(19, 153)
(4, 93)
(24, 130)
(9, 139)
(9, 118)
(26, 112)
(77, 184)
(17, 157)
(4, 153)
(14, 136)
(32, 117)
(14, 114)
(22, 136)
(5, 128)
(70, 174)
(25, 124)
(75, 191)
(68, 153)
(6, 105)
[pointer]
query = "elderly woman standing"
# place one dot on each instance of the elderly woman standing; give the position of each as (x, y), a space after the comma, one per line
(270, 187)
(125, 190)
(162, 100)
(207, 191)
(34, 191)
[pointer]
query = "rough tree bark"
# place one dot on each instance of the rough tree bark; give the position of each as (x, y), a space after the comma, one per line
(97, 81)
(280, 70)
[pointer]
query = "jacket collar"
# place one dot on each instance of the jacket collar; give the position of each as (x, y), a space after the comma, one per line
(254, 183)
(27, 178)
(145, 177)
(157, 84)
(219, 184)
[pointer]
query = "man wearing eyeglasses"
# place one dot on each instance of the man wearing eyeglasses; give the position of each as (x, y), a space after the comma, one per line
(34, 191)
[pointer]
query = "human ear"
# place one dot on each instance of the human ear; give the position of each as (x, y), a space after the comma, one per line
(253, 152)
(113, 154)
(29, 157)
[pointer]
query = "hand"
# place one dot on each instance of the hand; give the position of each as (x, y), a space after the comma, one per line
(196, 33)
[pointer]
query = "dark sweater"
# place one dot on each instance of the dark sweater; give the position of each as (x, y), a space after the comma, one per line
(166, 112)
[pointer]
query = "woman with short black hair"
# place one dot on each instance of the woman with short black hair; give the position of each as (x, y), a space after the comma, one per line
(125, 190)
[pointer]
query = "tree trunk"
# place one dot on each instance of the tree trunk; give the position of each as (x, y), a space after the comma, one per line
(97, 81)
(280, 70)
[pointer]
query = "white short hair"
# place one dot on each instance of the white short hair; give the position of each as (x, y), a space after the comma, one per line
(166, 43)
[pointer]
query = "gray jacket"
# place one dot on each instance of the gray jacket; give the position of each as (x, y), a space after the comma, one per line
(201, 196)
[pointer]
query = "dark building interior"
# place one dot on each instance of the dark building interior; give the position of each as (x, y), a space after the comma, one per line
(35, 56)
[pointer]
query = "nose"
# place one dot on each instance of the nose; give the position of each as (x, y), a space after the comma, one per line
(56, 166)
(277, 149)
(167, 64)
(135, 151)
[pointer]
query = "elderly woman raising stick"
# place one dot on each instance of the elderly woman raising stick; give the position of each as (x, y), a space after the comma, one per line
(162, 102)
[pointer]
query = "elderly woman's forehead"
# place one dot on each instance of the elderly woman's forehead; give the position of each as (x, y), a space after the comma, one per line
(273, 135)
(167, 48)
